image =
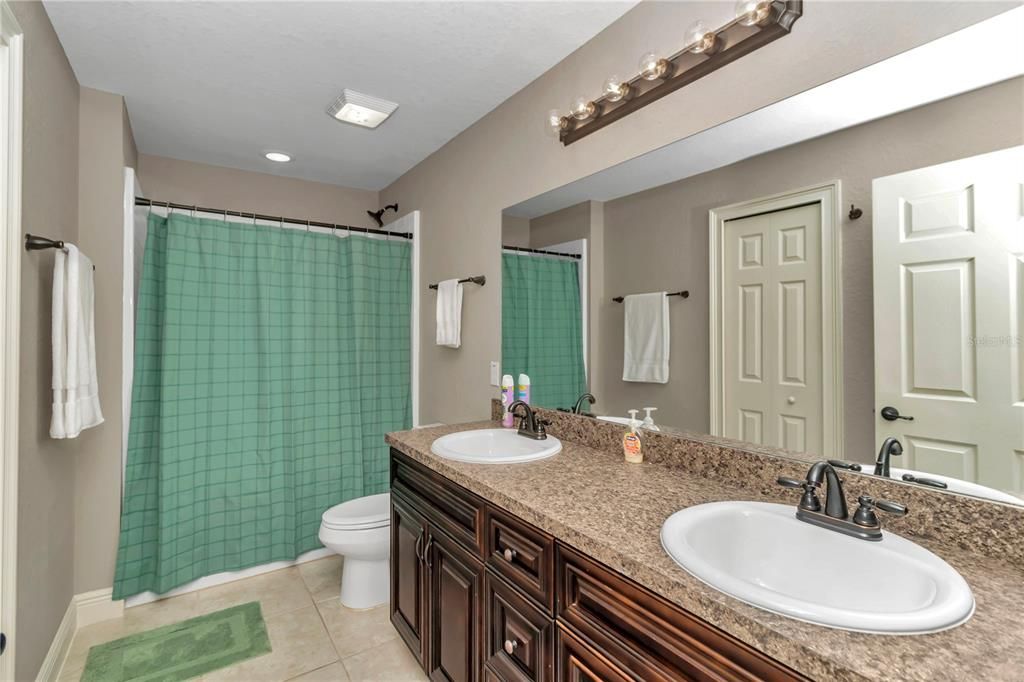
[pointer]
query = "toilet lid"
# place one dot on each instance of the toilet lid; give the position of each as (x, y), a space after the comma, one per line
(372, 511)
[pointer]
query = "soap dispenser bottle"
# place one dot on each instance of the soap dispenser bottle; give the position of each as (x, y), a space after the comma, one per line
(648, 420)
(632, 446)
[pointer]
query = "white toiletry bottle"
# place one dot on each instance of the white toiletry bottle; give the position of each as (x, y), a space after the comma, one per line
(508, 390)
(648, 420)
(524, 389)
(632, 446)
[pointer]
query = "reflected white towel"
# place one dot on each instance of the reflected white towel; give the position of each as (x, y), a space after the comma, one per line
(76, 401)
(646, 348)
(449, 313)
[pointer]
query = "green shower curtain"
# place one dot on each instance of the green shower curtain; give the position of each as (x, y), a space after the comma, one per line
(542, 326)
(269, 364)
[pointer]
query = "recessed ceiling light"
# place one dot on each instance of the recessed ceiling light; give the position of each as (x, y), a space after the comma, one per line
(279, 157)
(359, 109)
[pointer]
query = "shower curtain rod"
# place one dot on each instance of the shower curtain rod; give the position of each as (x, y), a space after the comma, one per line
(542, 251)
(142, 201)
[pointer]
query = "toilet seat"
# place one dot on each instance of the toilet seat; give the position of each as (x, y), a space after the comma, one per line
(363, 513)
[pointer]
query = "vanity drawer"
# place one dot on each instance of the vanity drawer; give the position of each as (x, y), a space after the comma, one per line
(648, 636)
(518, 637)
(523, 554)
(447, 505)
(577, 662)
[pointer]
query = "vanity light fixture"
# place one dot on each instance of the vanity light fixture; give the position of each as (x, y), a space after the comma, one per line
(277, 157)
(360, 109)
(755, 24)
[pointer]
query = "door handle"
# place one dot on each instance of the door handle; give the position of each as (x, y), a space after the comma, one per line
(891, 414)
(426, 552)
(416, 548)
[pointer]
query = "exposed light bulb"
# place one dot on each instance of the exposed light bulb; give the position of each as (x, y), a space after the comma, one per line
(653, 67)
(751, 12)
(554, 123)
(701, 39)
(582, 108)
(615, 89)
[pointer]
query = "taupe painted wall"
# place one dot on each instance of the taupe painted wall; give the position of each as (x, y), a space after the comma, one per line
(46, 467)
(506, 158)
(658, 239)
(515, 231)
(104, 146)
(199, 184)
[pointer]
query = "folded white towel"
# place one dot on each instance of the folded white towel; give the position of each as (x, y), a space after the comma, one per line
(76, 401)
(449, 313)
(645, 357)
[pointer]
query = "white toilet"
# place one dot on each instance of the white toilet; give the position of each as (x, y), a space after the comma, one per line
(359, 530)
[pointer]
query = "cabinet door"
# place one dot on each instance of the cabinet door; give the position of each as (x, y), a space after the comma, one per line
(455, 578)
(408, 575)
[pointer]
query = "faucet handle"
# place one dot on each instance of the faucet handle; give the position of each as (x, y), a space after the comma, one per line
(809, 500)
(894, 508)
(840, 464)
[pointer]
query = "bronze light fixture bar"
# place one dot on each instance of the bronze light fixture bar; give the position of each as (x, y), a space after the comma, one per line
(710, 50)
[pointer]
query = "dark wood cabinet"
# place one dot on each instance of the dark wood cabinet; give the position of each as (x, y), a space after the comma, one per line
(480, 595)
(454, 577)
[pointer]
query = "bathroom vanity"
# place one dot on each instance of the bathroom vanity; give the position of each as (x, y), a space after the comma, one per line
(478, 593)
(553, 570)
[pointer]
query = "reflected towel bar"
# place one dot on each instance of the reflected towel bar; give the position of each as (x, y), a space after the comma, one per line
(476, 279)
(683, 294)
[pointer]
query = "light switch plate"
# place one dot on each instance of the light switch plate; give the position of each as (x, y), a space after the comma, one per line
(495, 373)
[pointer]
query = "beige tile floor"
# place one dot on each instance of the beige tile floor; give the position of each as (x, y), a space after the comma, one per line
(314, 638)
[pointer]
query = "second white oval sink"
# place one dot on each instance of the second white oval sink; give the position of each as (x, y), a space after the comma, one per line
(494, 446)
(761, 554)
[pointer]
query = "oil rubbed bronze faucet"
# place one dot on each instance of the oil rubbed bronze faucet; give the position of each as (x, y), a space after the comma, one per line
(863, 525)
(578, 407)
(529, 425)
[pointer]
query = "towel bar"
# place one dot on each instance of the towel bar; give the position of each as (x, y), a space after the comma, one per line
(476, 279)
(683, 294)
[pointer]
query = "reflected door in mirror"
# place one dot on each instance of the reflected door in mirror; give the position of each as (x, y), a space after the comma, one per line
(772, 335)
(949, 305)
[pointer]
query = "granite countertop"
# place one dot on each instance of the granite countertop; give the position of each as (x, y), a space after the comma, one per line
(613, 511)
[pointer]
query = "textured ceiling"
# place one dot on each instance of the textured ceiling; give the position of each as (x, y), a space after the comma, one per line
(222, 82)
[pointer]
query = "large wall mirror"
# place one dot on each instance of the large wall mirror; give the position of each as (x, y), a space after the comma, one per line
(838, 269)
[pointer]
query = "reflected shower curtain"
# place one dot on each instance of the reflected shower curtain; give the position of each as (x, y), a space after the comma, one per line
(269, 364)
(542, 327)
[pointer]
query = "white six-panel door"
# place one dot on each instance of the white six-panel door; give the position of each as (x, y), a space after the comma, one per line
(772, 361)
(949, 311)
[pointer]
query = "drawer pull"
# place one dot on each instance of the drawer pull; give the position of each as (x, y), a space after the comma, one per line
(509, 554)
(511, 645)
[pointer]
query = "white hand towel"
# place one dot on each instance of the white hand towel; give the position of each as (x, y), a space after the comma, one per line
(76, 401)
(449, 313)
(646, 338)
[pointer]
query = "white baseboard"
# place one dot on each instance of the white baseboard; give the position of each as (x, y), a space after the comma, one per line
(59, 647)
(96, 606)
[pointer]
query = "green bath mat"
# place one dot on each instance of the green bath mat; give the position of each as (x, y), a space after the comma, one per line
(182, 650)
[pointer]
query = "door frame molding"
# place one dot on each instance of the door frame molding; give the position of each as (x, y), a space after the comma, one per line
(12, 43)
(828, 196)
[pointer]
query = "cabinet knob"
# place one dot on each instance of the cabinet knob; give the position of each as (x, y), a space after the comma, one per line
(511, 645)
(791, 400)
(509, 554)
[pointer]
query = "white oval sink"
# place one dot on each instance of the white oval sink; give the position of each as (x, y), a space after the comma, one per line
(956, 485)
(494, 446)
(761, 554)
